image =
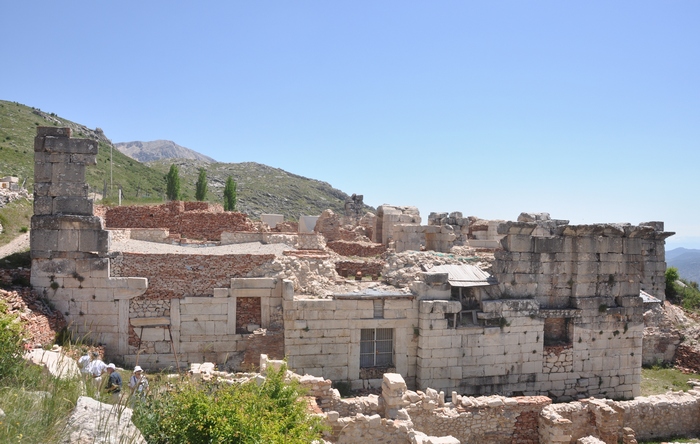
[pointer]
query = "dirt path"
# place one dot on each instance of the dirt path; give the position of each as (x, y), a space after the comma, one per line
(16, 245)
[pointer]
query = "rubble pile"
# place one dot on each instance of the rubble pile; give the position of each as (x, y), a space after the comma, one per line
(7, 196)
(403, 268)
(41, 320)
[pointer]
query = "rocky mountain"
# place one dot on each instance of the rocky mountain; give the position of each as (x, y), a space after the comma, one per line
(687, 261)
(159, 149)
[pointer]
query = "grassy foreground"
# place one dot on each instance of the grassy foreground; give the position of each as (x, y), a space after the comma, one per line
(659, 380)
(15, 218)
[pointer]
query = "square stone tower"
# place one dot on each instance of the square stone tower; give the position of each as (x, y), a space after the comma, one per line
(70, 247)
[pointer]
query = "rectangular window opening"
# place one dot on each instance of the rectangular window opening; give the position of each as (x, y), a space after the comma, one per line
(558, 331)
(378, 308)
(376, 347)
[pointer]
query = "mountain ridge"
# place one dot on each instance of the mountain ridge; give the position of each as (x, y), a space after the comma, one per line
(687, 261)
(159, 149)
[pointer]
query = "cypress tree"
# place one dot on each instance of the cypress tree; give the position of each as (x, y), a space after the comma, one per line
(230, 195)
(172, 180)
(201, 192)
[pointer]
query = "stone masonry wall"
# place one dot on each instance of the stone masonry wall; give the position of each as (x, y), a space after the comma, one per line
(177, 275)
(322, 336)
(401, 415)
(70, 248)
(189, 219)
(388, 216)
(651, 418)
(210, 327)
(605, 260)
(361, 249)
(505, 352)
(483, 420)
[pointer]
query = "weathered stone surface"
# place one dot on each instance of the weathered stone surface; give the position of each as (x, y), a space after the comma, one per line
(96, 422)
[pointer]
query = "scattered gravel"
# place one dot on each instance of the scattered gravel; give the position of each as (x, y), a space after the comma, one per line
(145, 247)
(16, 245)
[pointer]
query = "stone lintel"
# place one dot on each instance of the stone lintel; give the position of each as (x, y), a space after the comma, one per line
(150, 322)
(69, 146)
(72, 205)
(44, 131)
(66, 222)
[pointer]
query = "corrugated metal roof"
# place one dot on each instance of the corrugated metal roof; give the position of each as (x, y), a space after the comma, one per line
(463, 275)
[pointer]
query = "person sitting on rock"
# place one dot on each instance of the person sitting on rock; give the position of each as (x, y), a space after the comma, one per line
(114, 383)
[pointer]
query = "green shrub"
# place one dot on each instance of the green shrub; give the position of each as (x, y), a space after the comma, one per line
(200, 412)
(11, 336)
(671, 277)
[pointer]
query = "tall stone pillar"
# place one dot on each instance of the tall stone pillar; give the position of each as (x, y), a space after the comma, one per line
(70, 247)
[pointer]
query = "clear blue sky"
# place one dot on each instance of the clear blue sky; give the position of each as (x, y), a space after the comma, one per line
(589, 110)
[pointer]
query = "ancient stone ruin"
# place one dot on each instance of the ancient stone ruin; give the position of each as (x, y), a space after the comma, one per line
(467, 307)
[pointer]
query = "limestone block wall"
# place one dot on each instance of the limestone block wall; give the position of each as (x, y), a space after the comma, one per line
(388, 216)
(508, 351)
(424, 237)
(453, 223)
(149, 234)
(322, 336)
(409, 237)
(503, 354)
(194, 298)
(69, 246)
(209, 328)
(580, 261)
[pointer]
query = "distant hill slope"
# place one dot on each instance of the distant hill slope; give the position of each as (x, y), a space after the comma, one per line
(159, 149)
(260, 188)
(17, 131)
(687, 262)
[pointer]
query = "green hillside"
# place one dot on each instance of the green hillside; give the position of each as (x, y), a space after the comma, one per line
(261, 189)
(17, 130)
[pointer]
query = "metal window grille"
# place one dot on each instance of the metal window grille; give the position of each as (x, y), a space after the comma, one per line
(378, 308)
(376, 347)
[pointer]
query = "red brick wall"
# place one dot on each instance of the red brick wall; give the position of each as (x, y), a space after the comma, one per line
(177, 275)
(350, 269)
(203, 206)
(360, 249)
(271, 344)
(192, 220)
(526, 430)
(688, 358)
(247, 312)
